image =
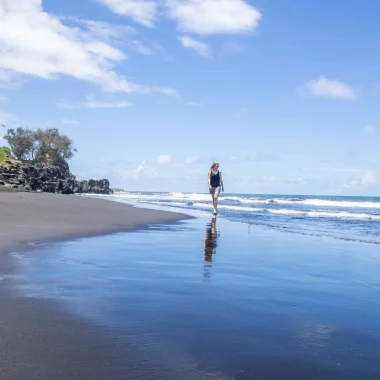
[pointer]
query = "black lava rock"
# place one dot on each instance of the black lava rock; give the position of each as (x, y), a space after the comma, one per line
(50, 179)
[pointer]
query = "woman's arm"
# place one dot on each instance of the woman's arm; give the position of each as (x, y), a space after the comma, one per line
(209, 179)
(221, 181)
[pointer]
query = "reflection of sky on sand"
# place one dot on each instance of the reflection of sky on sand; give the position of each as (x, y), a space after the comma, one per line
(314, 337)
(243, 306)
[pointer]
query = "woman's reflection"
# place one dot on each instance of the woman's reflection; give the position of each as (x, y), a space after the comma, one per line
(209, 247)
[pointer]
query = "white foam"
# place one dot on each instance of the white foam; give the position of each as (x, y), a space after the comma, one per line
(347, 204)
(324, 214)
(314, 202)
(311, 214)
(234, 208)
(196, 197)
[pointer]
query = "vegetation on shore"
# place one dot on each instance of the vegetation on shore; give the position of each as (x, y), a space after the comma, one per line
(35, 160)
(5, 156)
(46, 146)
(117, 190)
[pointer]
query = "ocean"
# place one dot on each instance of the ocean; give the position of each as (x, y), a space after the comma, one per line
(346, 218)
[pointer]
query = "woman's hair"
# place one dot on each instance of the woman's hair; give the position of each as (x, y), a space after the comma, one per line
(213, 164)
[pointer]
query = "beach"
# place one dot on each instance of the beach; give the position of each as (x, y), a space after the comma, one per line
(39, 339)
(42, 217)
(206, 298)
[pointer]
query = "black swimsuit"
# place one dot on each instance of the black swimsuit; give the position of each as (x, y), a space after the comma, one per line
(215, 179)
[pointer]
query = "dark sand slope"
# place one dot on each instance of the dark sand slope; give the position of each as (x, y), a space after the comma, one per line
(39, 340)
(33, 217)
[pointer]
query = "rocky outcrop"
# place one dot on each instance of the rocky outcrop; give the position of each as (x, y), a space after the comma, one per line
(49, 157)
(50, 179)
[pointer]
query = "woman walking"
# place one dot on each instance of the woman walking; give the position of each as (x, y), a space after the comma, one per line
(215, 184)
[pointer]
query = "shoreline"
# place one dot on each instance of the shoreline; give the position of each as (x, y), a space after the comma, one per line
(27, 218)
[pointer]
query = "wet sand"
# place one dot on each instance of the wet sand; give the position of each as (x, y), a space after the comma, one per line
(199, 300)
(41, 217)
(39, 339)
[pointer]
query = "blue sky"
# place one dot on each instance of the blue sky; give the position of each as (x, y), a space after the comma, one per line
(284, 94)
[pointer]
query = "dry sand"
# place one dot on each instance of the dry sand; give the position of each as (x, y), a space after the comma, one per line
(41, 217)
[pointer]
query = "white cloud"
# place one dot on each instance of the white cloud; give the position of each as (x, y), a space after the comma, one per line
(213, 16)
(332, 89)
(92, 104)
(192, 16)
(164, 159)
(70, 122)
(368, 179)
(142, 11)
(192, 160)
(140, 48)
(102, 30)
(370, 129)
(198, 46)
(140, 169)
(233, 159)
(135, 173)
(36, 43)
(97, 104)
(105, 31)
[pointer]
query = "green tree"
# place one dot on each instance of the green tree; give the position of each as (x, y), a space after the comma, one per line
(21, 142)
(47, 146)
(51, 140)
(52, 148)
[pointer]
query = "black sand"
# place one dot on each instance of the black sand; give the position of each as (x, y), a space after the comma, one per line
(38, 338)
(33, 217)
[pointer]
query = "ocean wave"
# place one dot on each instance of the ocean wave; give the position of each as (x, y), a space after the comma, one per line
(285, 212)
(324, 214)
(198, 197)
(312, 202)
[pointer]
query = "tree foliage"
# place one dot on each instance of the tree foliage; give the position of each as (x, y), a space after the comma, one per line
(20, 141)
(45, 146)
(51, 140)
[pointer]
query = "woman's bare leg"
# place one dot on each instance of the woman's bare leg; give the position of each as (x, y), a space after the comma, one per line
(216, 199)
